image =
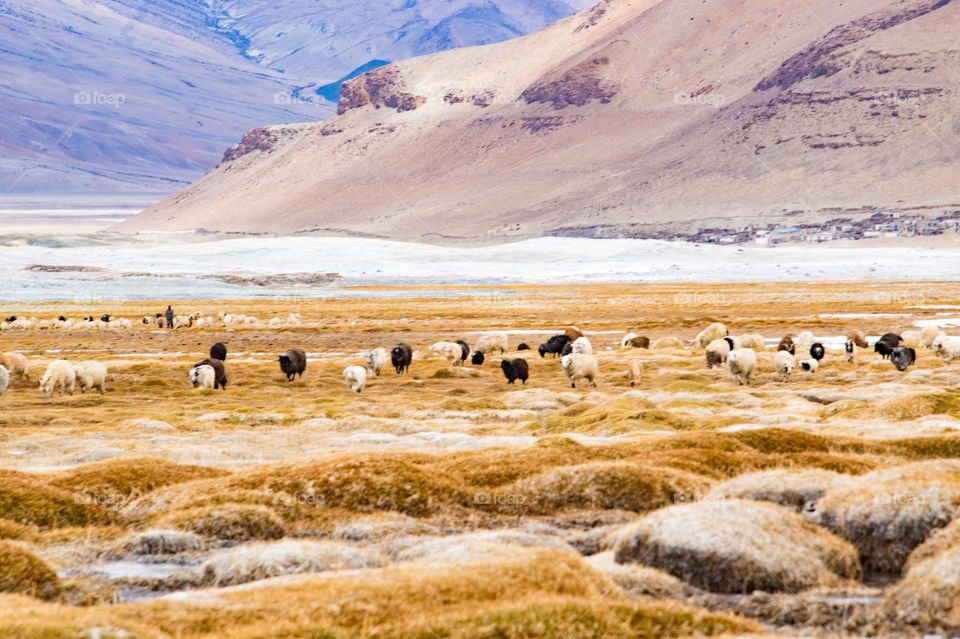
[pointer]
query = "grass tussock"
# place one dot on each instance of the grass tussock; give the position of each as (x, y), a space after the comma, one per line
(123, 478)
(791, 488)
(887, 513)
(34, 503)
(23, 573)
(621, 485)
(738, 546)
(229, 522)
(253, 562)
(939, 542)
(13, 530)
(927, 599)
(161, 542)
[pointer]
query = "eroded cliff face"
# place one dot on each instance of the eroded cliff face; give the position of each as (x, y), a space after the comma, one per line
(380, 88)
(263, 139)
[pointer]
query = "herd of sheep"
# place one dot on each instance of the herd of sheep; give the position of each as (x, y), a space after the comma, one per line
(738, 354)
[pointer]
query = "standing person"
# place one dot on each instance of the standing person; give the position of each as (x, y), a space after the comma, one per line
(169, 317)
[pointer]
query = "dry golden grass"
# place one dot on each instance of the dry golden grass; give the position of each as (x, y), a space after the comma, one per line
(21, 572)
(451, 453)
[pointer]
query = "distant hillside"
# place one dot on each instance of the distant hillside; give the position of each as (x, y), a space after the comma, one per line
(632, 118)
(131, 96)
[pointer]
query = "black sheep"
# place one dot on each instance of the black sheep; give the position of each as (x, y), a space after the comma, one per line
(817, 351)
(219, 351)
(523, 347)
(639, 342)
(61, 319)
(902, 357)
(514, 369)
(465, 348)
(219, 372)
(12, 318)
(401, 356)
(554, 345)
(886, 344)
(105, 318)
(477, 358)
(293, 363)
(786, 344)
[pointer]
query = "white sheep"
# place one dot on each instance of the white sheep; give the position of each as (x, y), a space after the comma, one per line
(90, 375)
(634, 370)
(804, 341)
(784, 363)
(947, 347)
(293, 319)
(203, 376)
(717, 352)
(928, 334)
(581, 346)
(449, 351)
(356, 378)
(740, 363)
(810, 365)
(663, 343)
(16, 364)
(913, 339)
(4, 379)
(579, 366)
(59, 374)
(376, 360)
(713, 332)
(752, 340)
(489, 342)
(120, 324)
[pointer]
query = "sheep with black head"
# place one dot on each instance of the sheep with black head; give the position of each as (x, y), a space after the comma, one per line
(514, 369)
(293, 363)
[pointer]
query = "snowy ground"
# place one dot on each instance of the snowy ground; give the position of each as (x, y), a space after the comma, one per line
(146, 267)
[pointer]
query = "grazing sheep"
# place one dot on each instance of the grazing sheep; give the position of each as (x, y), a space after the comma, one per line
(465, 350)
(4, 379)
(634, 370)
(16, 364)
(90, 375)
(911, 338)
(809, 365)
(401, 356)
(582, 346)
(356, 378)
(523, 346)
(928, 334)
(740, 363)
(712, 332)
(515, 369)
(625, 340)
(61, 375)
(947, 347)
(376, 360)
(663, 343)
(753, 340)
(817, 351)
(787, 344)
(293, 363)
(490, 342)
(220, 372)
(717, 352)
(573, 332)
(477, 358)
(641, 341)
(858, 338)
(902, 357)
(450, 351)
(805, 341)
(784, 363)
(203, 377)
(219, 351)
(886, 344)
(579, 366)
(850, 347)
(554, 345)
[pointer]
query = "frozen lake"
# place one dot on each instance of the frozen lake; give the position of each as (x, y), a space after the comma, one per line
(102, 266)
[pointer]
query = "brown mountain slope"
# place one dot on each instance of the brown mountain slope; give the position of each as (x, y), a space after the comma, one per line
(637, 112)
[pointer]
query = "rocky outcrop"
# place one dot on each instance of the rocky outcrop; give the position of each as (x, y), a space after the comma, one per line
(575, 87)
(263, 139)
(381, 87)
